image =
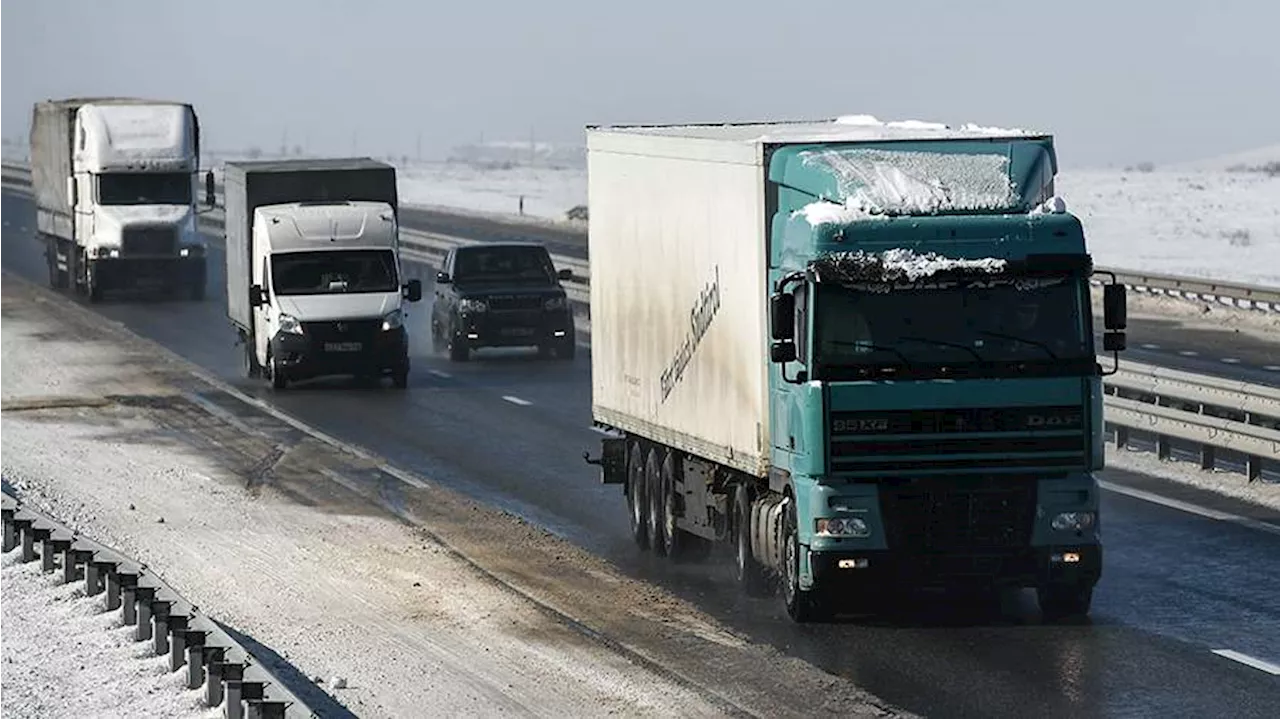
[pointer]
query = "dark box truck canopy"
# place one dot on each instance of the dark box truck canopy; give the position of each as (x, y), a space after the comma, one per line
(250, 185)
(52, 123)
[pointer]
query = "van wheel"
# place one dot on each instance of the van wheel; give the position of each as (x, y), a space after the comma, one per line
(278, 380)
(250, 365)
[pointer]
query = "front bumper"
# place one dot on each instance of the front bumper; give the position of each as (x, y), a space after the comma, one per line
(1028, 567)
(317, 354)
(149, 272)
(516, 329)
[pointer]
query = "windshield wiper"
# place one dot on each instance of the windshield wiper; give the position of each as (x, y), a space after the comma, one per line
(1024, 340)
(944, 343)
(878, 348)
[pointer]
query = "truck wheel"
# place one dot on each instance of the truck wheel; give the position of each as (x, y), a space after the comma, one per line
(672, 536)
(636, 500)
(748, 572)
(95, 290)
(1064, 601)
(58, 279)
(653, 488)
(458, 349)
(803, 605)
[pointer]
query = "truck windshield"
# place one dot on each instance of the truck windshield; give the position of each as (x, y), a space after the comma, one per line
(333, 272)
(527, 264)
(144, 188)
(989, 330)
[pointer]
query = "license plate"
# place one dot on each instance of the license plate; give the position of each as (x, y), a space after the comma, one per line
(516, 331)
(342, 346)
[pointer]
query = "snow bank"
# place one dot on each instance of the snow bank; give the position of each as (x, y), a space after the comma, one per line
(894, 182)
(897, 265)
(65, 655)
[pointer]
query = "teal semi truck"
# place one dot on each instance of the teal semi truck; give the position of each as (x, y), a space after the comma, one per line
(861, 354)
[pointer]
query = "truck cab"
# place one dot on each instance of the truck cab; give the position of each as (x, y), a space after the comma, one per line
(501, 294)
(328, 292)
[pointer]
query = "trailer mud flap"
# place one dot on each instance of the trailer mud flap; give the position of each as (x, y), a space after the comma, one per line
(612, 461)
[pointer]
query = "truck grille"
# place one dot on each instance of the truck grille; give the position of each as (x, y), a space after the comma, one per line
(957, 515)
(149, 241)
(909, 442)
(514, 303)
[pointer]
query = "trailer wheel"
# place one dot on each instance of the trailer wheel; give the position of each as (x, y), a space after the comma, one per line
(748, 571)
(58, 279)
(804, 605)
(636, 500)
(673, 537)
(653, 487)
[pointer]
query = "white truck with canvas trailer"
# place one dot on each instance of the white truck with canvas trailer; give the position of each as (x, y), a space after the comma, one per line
(315, 285)
(115, 183)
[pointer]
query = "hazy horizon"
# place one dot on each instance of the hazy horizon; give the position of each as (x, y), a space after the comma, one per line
(1116, 85)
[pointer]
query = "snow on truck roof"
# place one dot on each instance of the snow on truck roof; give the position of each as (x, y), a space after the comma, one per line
(846, 128)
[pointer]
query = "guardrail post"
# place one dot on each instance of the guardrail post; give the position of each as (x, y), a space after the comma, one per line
(262, 709)
(219, 673)
(143, 596)
(95, 573)
(1163, 447)
(70, 567)
(1208, 456)
(48, 555)
(113, 590)
(194, 641)
(1122, 437)
(160, 616)
(10, 532)
(1253, 467)
(177, 641)
(128, 597)
(28, 539)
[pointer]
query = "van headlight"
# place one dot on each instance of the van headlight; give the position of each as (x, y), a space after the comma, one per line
(470, 306)
(290, 324)
(555, 303)
(392, 320)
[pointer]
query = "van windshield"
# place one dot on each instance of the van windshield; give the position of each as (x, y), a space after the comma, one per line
(333, 272)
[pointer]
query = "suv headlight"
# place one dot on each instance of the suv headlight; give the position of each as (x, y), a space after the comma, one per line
(290, 324)
(469, 306)
(1077, 521)
(555, 303)
(392, 320)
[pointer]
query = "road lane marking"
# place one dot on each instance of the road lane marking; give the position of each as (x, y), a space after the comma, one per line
(1249, 661)
(1272, 368)
(517, 400)
(1150, 346)
(1190, 508)
(438, 373)
(1189, 353)
(1231, 360)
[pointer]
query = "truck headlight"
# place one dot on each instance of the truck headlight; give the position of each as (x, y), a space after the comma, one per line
(842, 527)
(290, 324)
(555, 303)
(1067, 521)
(470, 306)
(392, 320)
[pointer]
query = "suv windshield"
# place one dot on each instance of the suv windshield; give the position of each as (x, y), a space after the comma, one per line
(333, 272)
(527, 264)
(954, 327)
(144, 188)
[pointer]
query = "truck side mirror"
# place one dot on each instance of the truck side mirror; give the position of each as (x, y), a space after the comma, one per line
(565, 274)
(257, 297)
(413, 290)
(1114, 341)
(782, 352)
(1114, 311)
(443, 278)
(210, 195)
(782, 317)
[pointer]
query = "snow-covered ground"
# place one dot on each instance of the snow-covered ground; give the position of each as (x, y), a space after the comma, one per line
(547, 193)
(65, 655)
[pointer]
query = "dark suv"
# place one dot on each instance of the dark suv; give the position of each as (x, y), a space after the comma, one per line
(501, 294)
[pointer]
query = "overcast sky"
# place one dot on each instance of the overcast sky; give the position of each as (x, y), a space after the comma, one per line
(1118, 82)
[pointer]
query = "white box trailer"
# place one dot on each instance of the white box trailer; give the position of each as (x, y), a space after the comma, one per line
(679, 350)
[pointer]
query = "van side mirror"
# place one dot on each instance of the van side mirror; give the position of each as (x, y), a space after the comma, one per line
(443, 278)
(413, 290)
(1114, 310)
(210, 195)
(782, 352)
(782, 317)
(565, 274)
(257, 297)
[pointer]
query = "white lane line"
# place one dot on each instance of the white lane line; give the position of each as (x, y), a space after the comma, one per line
(1150, 346)
(1272, 368)
(1231, 360)
(1189, 353)
(1249, 661)
(439, 373)
(1191, 508)
(517, 400)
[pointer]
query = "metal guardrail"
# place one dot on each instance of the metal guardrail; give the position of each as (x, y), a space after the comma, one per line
(232, 677)
(1213, 413)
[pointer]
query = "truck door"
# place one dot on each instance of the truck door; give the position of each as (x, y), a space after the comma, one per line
(262, 326)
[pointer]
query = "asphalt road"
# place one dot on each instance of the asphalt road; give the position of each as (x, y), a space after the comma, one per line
(510, 429)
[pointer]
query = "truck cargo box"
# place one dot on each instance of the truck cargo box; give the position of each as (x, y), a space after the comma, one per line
(250, 185)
